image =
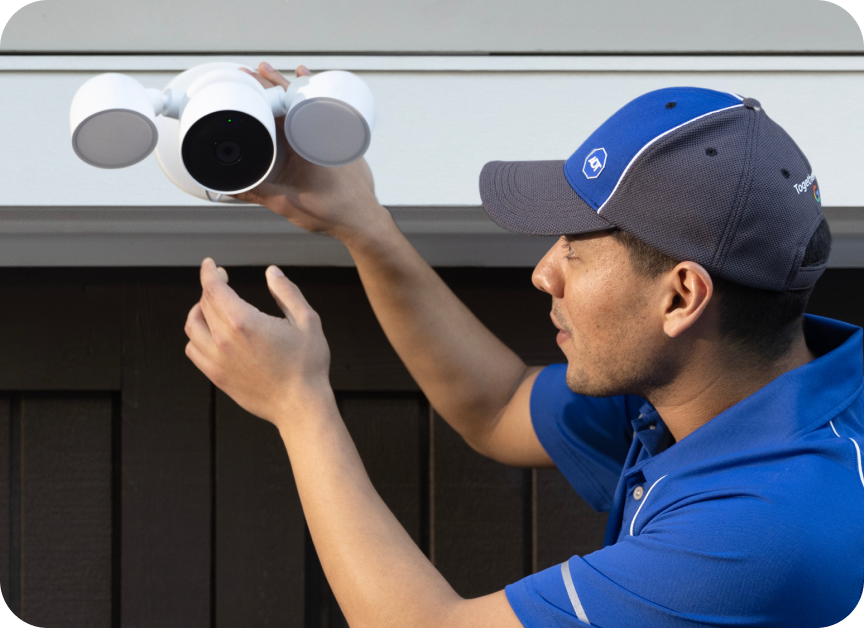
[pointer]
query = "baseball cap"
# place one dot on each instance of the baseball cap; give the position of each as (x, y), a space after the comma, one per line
(698, 174)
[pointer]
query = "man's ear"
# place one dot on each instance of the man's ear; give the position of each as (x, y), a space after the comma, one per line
(688, 289)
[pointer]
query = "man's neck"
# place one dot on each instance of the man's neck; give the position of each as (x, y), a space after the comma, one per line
(712, 383)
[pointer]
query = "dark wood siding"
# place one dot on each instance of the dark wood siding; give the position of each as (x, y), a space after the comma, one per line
(259, 531)
(65, 502)
(167, 473)
(5, 502)
(133, 493)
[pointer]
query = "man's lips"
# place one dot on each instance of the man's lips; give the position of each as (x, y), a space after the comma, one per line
(562, 335)
(555, 323)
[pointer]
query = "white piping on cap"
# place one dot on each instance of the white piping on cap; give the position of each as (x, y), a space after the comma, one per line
(641, 150)
(644, 499)
(857, 452)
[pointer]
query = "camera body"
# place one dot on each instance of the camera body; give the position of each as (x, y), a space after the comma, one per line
(213, 128)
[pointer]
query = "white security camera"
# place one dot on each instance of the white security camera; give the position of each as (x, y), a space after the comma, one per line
(213, 127)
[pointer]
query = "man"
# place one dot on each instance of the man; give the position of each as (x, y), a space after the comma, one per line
(721, 432)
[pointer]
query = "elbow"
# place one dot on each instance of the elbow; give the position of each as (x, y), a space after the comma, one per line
(478, 434)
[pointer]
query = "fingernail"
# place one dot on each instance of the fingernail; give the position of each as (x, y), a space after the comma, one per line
(268, 67)
(276, 272)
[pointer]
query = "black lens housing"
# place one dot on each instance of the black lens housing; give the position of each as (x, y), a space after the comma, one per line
(227, 156)
(228, 152)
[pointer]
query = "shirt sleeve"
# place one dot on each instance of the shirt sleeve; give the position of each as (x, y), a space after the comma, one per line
(716, 559)
(586, 437)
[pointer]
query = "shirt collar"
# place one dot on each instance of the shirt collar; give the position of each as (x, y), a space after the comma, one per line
(797, 402)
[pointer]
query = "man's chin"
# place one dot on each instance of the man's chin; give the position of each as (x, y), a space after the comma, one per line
(581, 385)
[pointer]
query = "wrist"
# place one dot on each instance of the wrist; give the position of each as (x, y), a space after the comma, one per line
(374, 228)
(308, 403)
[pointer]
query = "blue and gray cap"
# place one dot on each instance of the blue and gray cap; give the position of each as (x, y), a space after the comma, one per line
(698, 174)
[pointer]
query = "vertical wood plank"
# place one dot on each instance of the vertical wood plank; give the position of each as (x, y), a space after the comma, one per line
(15, 503)
(66, 510)
(260, 554)
(481, 543)
(166, 458)
(5, 513)
(390, 434)
(566, 525)
(43, 349)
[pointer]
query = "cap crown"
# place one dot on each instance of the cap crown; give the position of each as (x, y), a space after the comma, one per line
(705, 176)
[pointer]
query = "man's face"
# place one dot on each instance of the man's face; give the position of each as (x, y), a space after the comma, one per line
(611, 317)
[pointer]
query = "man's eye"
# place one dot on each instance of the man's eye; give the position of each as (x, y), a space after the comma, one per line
(571, 254)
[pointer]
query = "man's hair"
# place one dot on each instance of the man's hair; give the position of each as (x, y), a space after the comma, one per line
(763, 323)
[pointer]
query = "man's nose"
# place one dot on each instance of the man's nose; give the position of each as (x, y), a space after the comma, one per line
(547, 274)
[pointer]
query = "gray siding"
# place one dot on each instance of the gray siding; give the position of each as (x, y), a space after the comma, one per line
(428, 26)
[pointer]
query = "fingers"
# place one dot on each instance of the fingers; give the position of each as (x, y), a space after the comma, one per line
(223, 310)
(266, 194)
(198, 331)
(266, 70)
(289, 298)
(264, 82)
(270, 77)
(200, 360)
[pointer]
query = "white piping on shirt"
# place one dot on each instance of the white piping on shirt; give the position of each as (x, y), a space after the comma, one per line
(571, 592)
(857, 452)
(644, 499)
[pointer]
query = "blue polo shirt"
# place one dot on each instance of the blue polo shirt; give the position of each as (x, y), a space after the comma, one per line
(754, 519)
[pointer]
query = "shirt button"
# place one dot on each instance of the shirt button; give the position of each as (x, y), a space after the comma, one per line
(652, 426)
(637, 493)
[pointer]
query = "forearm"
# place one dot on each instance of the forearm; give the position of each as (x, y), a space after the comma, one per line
(378, 575)
(466, 372)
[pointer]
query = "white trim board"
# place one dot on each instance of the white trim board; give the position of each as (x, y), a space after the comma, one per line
(435, 129)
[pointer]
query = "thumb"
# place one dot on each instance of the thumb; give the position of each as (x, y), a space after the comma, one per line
(288, 297)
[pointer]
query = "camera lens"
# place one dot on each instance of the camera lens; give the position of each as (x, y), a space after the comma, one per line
(228, 152)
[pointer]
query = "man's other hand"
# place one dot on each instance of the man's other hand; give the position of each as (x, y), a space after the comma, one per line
(266, 364)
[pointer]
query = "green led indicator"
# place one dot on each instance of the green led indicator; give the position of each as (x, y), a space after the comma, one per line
(229, 119)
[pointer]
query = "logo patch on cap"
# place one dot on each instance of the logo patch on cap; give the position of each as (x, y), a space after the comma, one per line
(816, 194)
(594, 163)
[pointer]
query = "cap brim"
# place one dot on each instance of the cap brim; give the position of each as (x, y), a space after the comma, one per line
(534, 197)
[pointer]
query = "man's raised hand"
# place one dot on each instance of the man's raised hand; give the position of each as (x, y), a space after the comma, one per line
(336, 201)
